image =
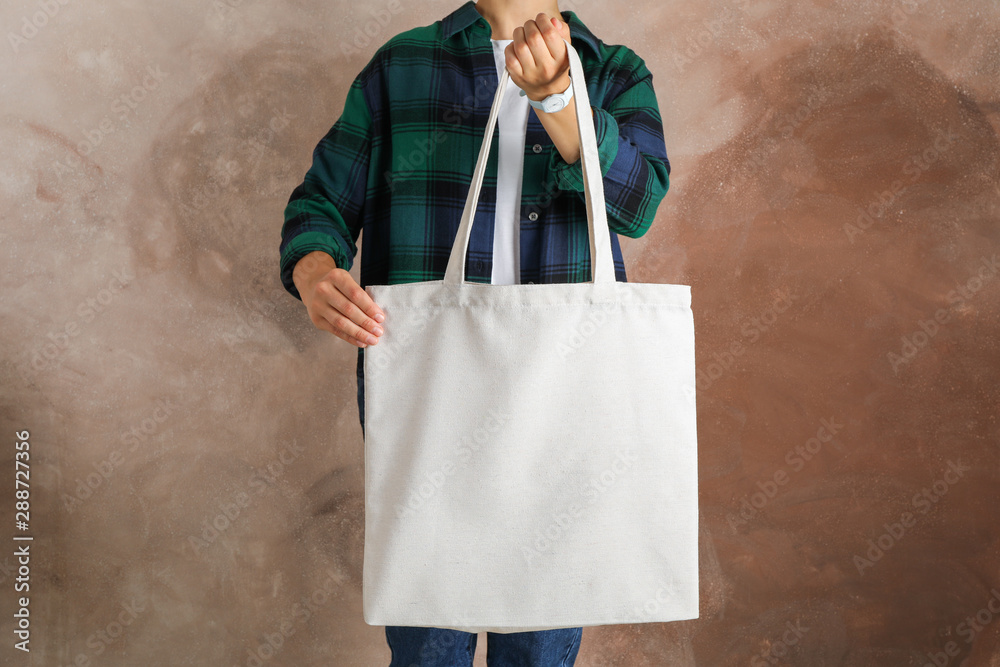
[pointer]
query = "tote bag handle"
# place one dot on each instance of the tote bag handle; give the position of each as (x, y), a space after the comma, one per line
(602, 262)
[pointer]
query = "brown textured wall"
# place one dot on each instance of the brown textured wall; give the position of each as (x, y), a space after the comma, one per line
(834, 205)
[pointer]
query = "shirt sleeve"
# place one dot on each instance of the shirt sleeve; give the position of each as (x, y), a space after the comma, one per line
(632, 153)
(325, 211)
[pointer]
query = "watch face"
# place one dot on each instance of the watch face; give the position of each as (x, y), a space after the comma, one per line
(553, 104)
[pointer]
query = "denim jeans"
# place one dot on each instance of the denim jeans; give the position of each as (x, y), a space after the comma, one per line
(436, 647)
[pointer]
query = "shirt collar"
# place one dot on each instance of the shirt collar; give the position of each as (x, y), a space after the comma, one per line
(467, 15)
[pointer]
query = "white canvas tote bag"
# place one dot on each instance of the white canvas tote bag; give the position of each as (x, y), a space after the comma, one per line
(531, 450)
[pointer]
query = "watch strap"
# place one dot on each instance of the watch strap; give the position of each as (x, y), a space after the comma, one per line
(566, 96)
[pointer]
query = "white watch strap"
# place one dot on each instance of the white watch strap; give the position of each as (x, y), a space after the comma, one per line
(569, 89)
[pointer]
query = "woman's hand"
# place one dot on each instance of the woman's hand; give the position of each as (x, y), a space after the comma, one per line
(335, 302)
(537, 58)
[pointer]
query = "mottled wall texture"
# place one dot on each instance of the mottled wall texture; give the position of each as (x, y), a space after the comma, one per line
(196, 480)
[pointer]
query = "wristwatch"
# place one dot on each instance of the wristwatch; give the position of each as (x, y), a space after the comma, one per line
(554, 102)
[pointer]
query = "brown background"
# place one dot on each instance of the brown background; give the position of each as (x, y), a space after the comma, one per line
(200, 388)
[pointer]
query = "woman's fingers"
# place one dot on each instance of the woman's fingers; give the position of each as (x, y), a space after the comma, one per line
(537, 54)
(345, 309)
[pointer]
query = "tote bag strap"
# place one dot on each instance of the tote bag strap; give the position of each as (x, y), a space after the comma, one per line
(602, 261)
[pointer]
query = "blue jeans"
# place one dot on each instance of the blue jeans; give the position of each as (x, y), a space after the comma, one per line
(436, 647)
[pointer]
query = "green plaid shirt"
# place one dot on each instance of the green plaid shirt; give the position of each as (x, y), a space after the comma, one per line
(398, 164)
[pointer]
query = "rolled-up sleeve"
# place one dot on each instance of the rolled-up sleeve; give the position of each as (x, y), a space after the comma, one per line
(325, 211)
(632, 152)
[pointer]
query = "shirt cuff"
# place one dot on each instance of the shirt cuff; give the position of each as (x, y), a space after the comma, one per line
(305, 243)
(570, 176)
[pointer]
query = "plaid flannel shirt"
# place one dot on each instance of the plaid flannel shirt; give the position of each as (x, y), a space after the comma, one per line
(398, 164)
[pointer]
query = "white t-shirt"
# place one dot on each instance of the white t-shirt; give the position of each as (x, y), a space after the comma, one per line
(513, 122)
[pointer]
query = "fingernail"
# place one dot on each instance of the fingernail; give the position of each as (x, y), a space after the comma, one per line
(379, 317)
(372, 340)
(378, 331)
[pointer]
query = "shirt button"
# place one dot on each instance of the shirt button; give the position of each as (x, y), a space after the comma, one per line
(537, 148)
(532, 216)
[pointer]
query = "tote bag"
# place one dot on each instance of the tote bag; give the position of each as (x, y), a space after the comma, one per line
(530, 449)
